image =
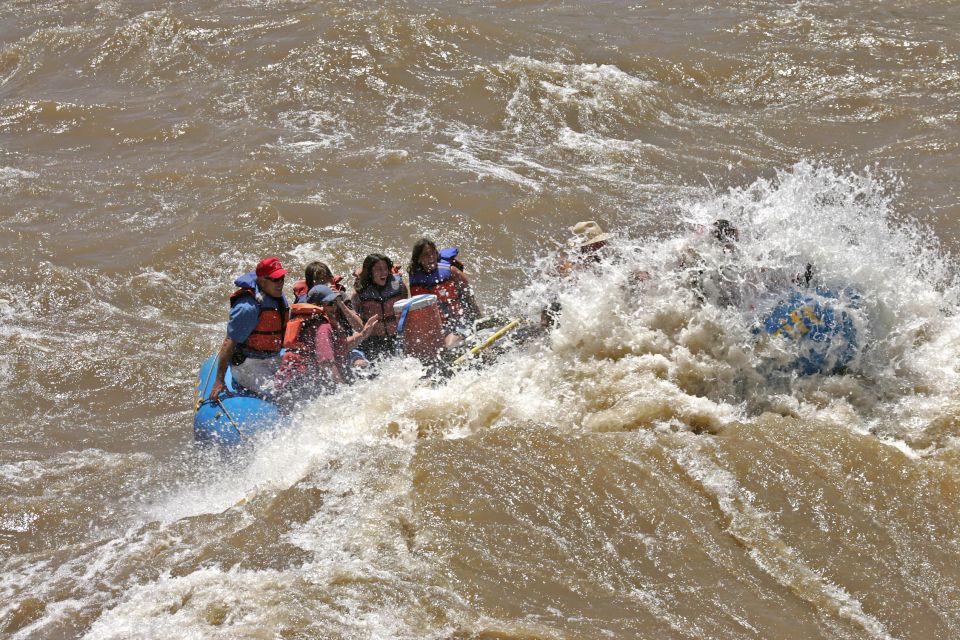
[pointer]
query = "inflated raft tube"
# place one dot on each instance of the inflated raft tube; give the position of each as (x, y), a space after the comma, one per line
(234, 417)
(820, 324)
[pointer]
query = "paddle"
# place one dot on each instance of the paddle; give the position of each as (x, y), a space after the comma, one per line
(513, 324)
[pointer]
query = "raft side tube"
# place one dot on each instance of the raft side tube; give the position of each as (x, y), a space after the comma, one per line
(235, 416)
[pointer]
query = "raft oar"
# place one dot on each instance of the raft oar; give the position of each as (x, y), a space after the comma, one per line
(489, 341)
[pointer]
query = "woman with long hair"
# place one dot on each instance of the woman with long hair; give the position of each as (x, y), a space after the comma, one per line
(377, 288)
(458, 308)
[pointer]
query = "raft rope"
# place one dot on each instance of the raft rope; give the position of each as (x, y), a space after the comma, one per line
(230, 418)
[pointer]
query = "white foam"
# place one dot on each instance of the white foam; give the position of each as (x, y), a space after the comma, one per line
(11, 176)
(472, 146)
(311, 131)
(628, 355)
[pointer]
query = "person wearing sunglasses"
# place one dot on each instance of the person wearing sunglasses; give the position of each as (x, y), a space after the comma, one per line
(255, 330)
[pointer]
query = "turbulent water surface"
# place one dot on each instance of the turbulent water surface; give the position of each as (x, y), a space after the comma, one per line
(653, 467)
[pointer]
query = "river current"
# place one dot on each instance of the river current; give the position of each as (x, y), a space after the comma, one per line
(651, 468)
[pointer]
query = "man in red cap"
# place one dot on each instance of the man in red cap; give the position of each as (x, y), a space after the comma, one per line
(258, 319)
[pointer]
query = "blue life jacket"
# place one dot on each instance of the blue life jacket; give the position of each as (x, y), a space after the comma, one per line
(448, 257)
(441, 274)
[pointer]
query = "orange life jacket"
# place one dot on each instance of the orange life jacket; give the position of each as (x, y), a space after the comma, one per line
(267, 335)
(378, 301)
(296, 341)
(445, 285)
(301, 347)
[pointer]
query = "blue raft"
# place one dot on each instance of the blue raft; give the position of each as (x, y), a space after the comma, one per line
(235, 416)
(819, 323)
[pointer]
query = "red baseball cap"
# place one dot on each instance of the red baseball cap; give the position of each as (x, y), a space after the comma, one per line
(270, 268)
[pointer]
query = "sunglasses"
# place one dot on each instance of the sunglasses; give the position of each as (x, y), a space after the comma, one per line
(277, 280)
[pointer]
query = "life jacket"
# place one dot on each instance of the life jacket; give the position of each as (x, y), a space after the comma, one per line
(441, 283)
(300, 290)
(448, 257)
(307, 344)
(298, 340)
(267, 336)
(378, 301)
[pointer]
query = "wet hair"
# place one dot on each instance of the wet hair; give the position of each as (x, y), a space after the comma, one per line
(315, 272)
(365, 279)
(723, 231)
(418, 248)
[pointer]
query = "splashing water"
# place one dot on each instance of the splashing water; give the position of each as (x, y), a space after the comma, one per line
(344, 512)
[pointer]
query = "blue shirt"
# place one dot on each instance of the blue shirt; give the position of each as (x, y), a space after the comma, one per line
(244, 316)
(244, 311)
